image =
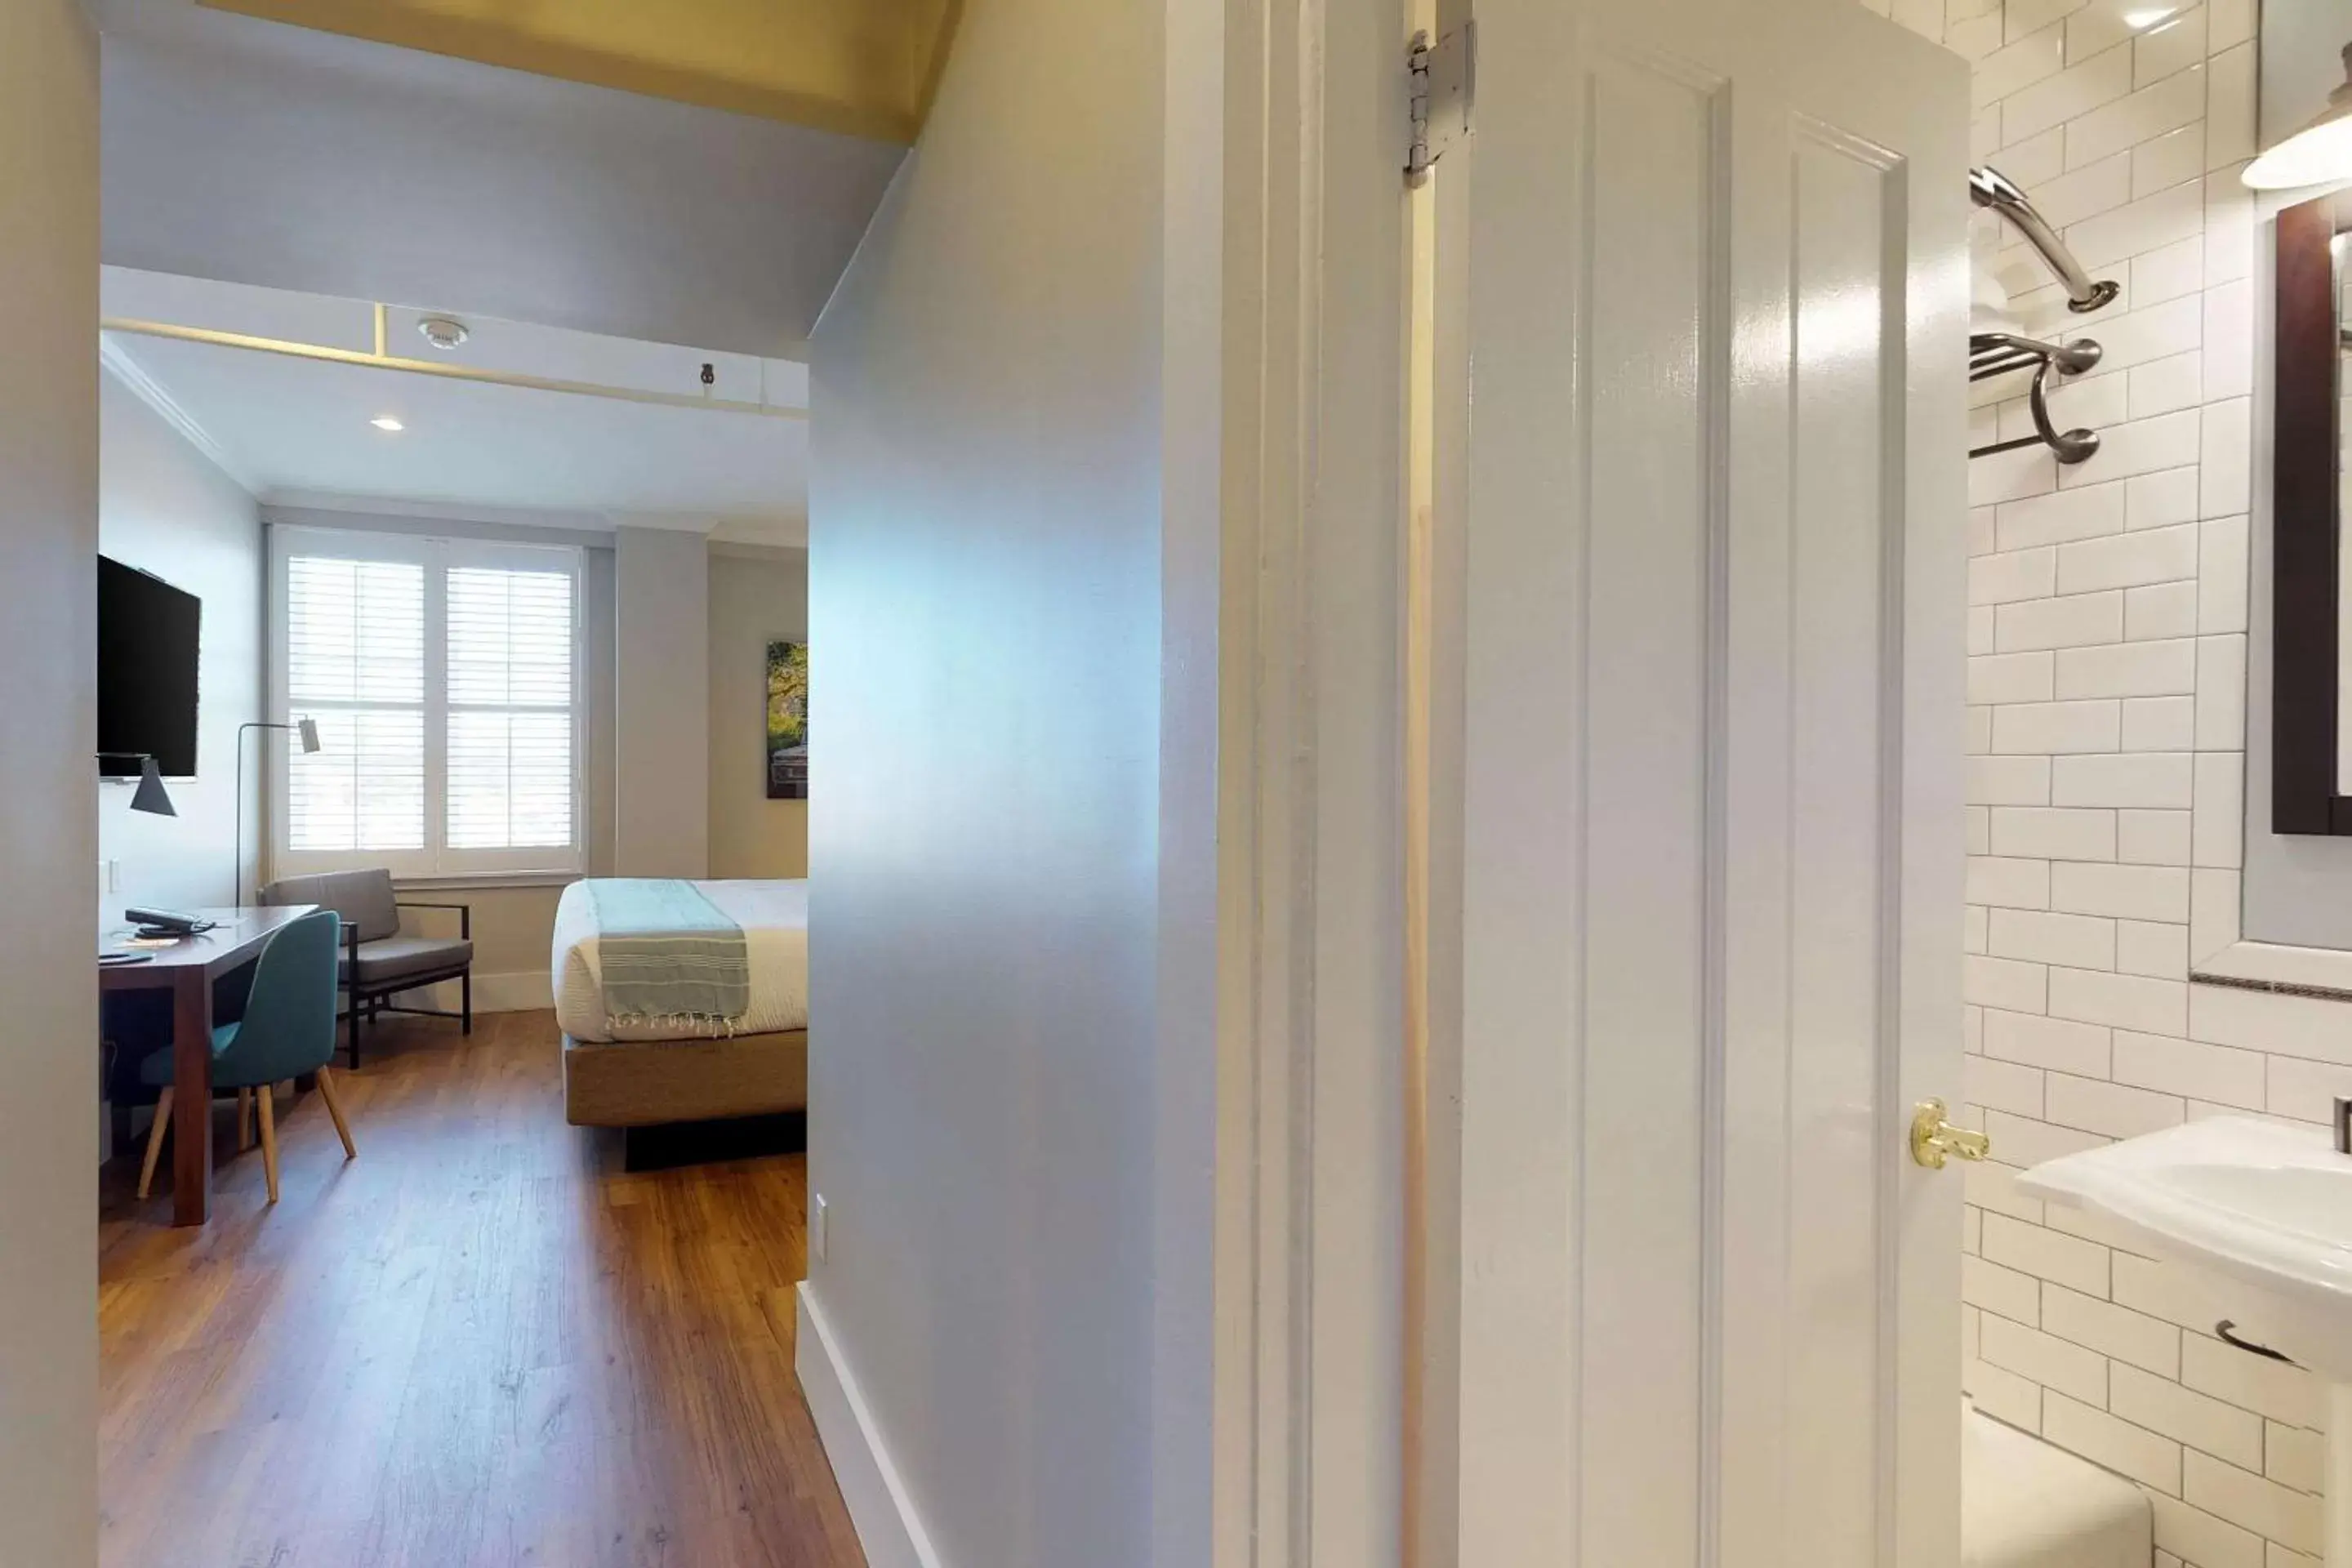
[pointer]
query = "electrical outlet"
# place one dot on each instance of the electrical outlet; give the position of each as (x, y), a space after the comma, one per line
(817, 1210)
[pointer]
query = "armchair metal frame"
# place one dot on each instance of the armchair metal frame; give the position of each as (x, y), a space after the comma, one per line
(369, 1002)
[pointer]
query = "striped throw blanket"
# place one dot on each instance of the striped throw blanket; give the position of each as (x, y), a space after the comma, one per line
(668, 955)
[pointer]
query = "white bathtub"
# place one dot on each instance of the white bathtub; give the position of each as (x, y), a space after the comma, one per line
(2024, 1504)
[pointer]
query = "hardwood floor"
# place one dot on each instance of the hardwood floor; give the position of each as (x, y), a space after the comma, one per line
(479, 1344)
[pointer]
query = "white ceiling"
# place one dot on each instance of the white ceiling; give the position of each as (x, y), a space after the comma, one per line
(252, 152)
(296, 431)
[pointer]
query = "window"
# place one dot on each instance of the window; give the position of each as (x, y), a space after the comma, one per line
(444, 678)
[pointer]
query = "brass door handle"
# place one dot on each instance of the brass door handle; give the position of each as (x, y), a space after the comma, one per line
(1934, 1140)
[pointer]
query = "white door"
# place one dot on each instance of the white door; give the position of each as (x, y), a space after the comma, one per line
(1712, 635)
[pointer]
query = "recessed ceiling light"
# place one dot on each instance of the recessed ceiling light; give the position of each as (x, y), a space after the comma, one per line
(444, 332)
(386, 422)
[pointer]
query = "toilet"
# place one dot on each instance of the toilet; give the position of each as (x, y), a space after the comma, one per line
(2024, 1504)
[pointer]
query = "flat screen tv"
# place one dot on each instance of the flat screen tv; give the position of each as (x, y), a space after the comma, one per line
(147, 640)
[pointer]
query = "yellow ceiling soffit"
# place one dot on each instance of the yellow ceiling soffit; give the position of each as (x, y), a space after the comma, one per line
(862, 67)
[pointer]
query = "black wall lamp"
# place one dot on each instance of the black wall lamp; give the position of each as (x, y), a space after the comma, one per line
(149, 796)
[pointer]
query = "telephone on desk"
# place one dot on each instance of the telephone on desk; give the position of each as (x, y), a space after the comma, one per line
(166, 923)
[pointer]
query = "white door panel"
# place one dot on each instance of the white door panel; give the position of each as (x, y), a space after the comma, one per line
(1711, 623)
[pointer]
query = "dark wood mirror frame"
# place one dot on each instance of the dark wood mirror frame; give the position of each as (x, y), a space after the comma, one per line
(2305, 615)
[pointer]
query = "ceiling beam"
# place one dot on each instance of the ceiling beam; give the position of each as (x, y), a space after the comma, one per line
(379, 360)
(861, 68)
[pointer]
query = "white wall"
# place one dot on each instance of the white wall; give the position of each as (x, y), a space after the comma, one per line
(1010, 1147)
(757, 597)
(163, 507)
(661, 684)
(48, 829)
(256, 153)
(2302, 63)
(2107, 640)
(604, 740)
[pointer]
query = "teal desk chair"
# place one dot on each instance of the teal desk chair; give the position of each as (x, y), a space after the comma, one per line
(288, 1030)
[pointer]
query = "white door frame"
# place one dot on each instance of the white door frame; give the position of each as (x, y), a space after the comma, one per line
(49, 399)
(1309, 1232)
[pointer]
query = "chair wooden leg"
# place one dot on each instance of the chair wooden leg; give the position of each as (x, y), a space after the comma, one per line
(244, 1120)
(335, 1110)
(155, 1143)
(466, 1000)
(265, 1099)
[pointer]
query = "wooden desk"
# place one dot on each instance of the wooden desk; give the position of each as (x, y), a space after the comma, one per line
(187, 969)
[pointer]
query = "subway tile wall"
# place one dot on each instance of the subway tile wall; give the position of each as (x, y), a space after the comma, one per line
(2106, 720)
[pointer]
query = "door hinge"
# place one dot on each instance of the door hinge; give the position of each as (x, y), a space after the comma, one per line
(1440, 76)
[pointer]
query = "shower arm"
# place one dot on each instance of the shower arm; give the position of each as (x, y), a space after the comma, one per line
(1990, 188)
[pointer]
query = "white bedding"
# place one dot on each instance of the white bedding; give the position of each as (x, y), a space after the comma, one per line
(774, 917)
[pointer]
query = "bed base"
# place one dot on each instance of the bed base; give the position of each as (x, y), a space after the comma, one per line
(672, 1096)
(676, 1144)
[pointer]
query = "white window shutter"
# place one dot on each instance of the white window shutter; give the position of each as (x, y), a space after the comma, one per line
(442, 675)
(511, 732)
(355, 663)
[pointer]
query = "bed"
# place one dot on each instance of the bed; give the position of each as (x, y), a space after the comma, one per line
(681, 1001)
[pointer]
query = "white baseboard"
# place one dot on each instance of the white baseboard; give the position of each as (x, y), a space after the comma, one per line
(878, 1505)
(525, 991)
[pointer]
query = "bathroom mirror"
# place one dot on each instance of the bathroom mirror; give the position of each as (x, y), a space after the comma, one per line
(2311, 682)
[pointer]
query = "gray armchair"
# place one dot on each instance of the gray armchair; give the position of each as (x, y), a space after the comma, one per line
(379, 962)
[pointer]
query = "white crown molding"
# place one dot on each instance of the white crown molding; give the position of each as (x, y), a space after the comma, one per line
(754, 549)
(761, 532)
(327, 508)
(134, 378)
(701, 523)
(278, 505)
(782, 532)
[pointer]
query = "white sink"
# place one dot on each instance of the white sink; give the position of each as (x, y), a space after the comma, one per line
(2258, 1218)
(2260, 1213)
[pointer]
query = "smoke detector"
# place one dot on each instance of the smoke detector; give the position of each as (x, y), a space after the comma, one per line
(443, 333)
